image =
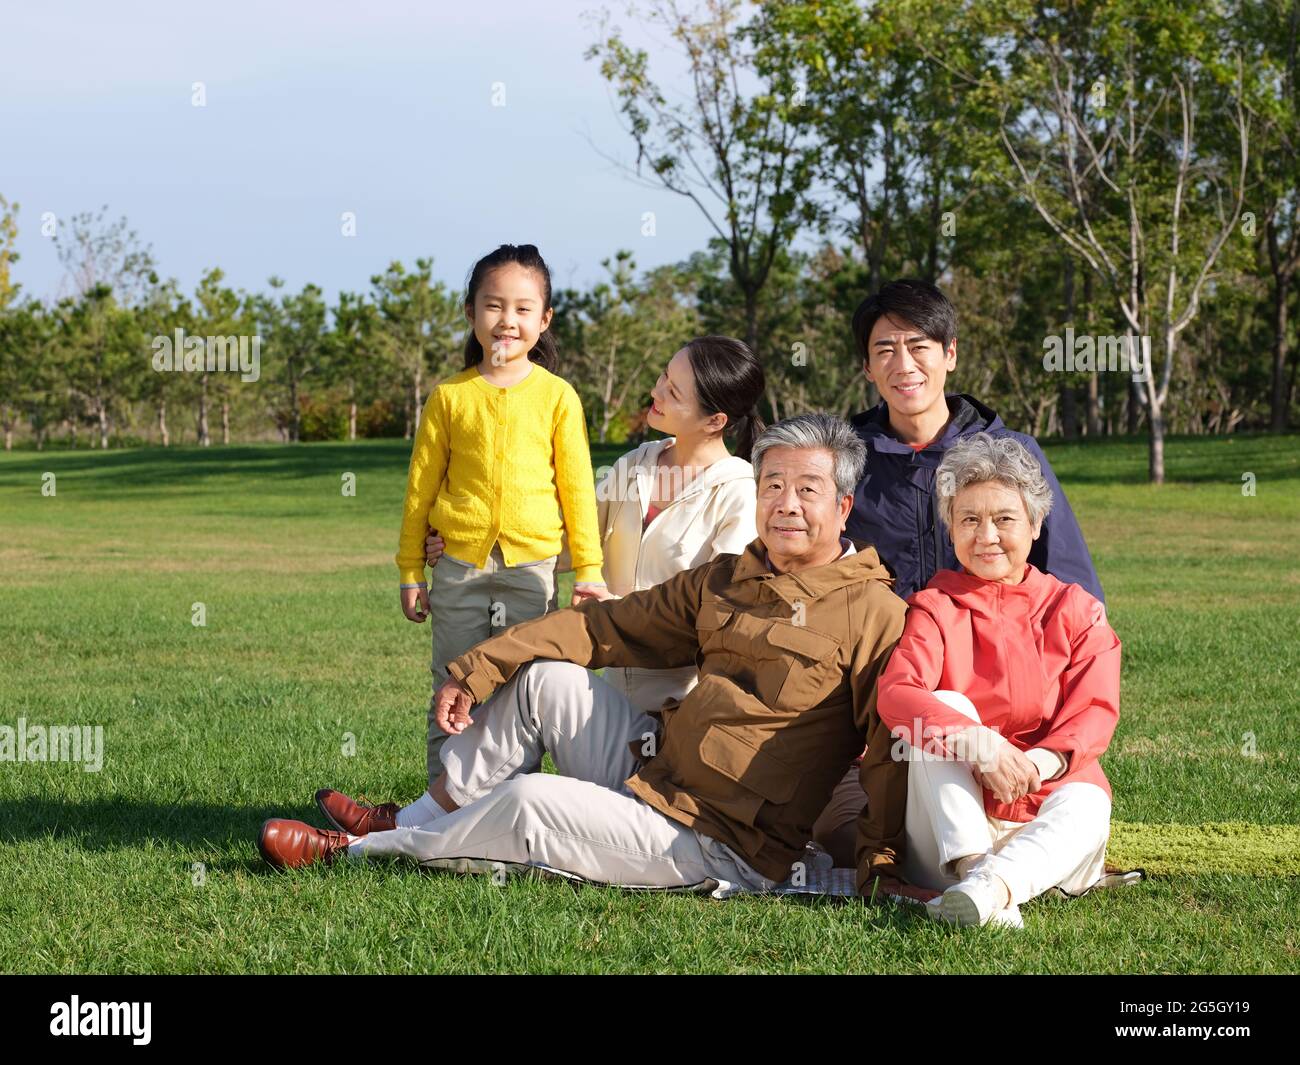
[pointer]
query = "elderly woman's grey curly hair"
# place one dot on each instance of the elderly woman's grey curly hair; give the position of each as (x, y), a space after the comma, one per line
(983, 457)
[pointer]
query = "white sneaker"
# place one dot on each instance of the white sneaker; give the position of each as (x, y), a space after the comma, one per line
(975, 901)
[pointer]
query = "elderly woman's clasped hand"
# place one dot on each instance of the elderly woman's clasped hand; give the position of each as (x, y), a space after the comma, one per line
(1009, 774)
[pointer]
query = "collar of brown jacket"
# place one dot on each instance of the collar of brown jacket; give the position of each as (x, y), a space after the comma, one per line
(863, 565)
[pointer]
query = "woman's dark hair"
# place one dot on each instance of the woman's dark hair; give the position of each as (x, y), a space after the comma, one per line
(918, 303)
(545, 352)
(729, 380)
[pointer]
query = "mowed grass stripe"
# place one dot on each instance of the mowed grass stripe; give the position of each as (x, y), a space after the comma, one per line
(1217, 847)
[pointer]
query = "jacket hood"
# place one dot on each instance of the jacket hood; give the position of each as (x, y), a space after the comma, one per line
(731, 468)
(863, 565)
(967, 416)
(982, 597)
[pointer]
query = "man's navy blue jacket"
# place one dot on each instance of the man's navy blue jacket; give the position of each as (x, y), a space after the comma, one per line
(895, 507)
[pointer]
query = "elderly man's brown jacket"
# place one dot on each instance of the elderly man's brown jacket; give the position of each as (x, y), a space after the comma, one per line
(788, 667)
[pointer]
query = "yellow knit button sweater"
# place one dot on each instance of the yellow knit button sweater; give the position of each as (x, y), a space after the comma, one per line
(501, 465)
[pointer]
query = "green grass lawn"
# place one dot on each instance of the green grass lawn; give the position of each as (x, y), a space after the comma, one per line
(306, 675)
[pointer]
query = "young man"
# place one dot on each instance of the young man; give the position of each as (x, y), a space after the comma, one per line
(906, 335)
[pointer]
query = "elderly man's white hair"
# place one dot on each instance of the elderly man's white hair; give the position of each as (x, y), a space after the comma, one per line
(817, 430)
(983, 457)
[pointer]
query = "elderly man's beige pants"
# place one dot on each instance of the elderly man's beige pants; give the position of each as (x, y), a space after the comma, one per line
(584, 822)
(1064, 846)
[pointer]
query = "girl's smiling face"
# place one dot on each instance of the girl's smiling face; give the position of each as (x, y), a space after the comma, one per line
(509, 313)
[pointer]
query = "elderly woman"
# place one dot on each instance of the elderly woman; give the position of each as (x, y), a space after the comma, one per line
(1003, 692)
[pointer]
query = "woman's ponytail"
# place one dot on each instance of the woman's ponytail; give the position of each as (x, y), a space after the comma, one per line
(748, 429)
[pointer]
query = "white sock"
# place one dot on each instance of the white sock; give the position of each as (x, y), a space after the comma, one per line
(425, 809)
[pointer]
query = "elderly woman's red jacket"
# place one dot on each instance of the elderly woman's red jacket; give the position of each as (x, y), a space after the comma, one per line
(1037, 659)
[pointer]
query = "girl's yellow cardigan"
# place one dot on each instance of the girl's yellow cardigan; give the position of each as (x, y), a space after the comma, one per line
(501, 465)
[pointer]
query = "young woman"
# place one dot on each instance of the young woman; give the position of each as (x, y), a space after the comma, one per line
(673, 504)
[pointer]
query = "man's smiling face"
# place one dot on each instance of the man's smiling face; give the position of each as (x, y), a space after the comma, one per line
(800, 515)
(907, 366)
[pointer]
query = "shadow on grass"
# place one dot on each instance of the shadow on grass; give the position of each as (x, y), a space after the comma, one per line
(1188, 459)
(1114, 460)
(154, 466)
(111, 824)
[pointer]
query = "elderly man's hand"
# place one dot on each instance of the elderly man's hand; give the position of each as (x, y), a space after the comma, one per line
(451, 707)
(1010, 776)
(584, 590)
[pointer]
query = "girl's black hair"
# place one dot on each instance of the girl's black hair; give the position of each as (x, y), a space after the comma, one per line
(729, 380)
(545, 352)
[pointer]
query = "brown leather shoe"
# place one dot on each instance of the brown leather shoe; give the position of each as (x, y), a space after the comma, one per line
(292, 844)
(348, 815)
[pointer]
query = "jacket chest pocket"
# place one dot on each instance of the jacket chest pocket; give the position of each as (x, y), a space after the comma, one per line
(787, 666)
(809, 661)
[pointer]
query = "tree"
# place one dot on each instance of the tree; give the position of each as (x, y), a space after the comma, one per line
(1165, 202)
(162, 311)
(739, 153)
(349, 354)
(8, 235)
(417, 320)
(293, 332)
(96, 252)
(103, 340)
(1271, 30)
(220, 317)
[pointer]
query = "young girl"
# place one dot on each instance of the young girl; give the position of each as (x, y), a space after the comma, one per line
(501, 469)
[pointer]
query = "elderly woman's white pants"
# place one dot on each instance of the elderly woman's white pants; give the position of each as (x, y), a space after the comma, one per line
(1064, 846)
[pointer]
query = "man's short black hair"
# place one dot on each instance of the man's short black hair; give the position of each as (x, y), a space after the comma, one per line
(910, 300)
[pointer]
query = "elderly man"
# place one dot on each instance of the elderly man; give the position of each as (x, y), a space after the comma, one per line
(790, 637)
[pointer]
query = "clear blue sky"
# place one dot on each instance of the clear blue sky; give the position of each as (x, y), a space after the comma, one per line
(383, 109)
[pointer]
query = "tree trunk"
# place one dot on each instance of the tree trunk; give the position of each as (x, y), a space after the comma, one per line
(751, 319)
(204, 439)
(1134, 407)
(1093, 414)
(1279, 404)
(1069, 413)
(162, 423)
(352, 420)
(295, 412)
(1069, 416)
(413, 419)
(1156, 451)
(225, 421)
(1156, 395)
